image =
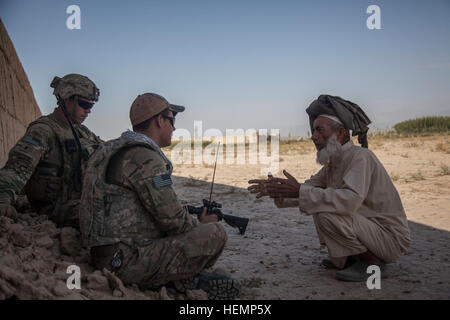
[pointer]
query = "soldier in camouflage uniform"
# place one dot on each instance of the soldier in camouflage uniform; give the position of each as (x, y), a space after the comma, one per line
(133, 221)
(47, 162)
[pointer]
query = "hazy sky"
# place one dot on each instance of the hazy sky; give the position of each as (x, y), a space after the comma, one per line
(240, 64)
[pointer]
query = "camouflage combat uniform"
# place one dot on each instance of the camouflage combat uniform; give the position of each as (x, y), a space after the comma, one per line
(130, 207)
(47, 162)
(44, 162)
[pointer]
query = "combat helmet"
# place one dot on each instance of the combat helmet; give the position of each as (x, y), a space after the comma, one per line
(75, 84)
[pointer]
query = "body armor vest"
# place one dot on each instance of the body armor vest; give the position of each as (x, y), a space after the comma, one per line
(112, 213)
(51, 188)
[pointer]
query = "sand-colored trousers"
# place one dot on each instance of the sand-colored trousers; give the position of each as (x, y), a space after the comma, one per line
(173, 258)
(348, 235)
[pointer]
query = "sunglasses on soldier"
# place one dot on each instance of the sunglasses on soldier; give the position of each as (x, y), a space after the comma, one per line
(171, 119)
(85, 104)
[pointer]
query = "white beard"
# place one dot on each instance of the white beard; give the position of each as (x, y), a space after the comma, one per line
(331, 150)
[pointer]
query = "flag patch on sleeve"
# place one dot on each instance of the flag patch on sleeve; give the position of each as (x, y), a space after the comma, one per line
(162, 180)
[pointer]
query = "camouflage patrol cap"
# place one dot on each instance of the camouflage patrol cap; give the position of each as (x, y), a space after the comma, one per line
(75, 84)
(148, 105)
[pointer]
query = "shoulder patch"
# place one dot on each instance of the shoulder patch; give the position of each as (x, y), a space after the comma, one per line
(31, 140)
(162, 180)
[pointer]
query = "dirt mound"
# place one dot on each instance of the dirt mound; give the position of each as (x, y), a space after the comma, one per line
(36, 259)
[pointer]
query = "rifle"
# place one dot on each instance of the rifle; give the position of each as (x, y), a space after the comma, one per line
(214, 208)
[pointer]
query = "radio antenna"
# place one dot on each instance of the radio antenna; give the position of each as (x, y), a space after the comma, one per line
(214, 175)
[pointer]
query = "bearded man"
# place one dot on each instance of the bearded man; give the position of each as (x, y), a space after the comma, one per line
(356, 208)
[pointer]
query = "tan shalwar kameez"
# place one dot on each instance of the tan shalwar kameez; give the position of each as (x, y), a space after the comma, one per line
(355, 207)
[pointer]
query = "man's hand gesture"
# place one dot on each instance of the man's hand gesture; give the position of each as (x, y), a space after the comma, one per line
(275, 187)
(258, 187)
(283, 188)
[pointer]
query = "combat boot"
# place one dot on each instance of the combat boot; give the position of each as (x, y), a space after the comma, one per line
(217, 286)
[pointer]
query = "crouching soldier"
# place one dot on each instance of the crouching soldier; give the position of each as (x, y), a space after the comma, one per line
(133, 221)
(47, 162)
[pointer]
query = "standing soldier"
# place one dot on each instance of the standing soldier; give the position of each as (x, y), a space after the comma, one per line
(47, 162)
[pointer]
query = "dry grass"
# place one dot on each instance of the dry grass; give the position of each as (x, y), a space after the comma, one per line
(376, 144)
(411, 145)
(417, 176)
(443, 147)
(445, 170)
(394, 177)
(297, 146)
(405, 155)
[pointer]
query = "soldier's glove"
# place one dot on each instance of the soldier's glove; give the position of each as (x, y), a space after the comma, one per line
(8, 211)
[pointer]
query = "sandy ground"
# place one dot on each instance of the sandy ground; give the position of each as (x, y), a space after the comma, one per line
(279, 255)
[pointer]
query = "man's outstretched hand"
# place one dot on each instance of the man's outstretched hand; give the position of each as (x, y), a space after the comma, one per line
(276, 187)
(283, 188)
(258, 187)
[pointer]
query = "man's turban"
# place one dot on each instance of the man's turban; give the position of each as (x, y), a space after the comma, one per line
(350, 114)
